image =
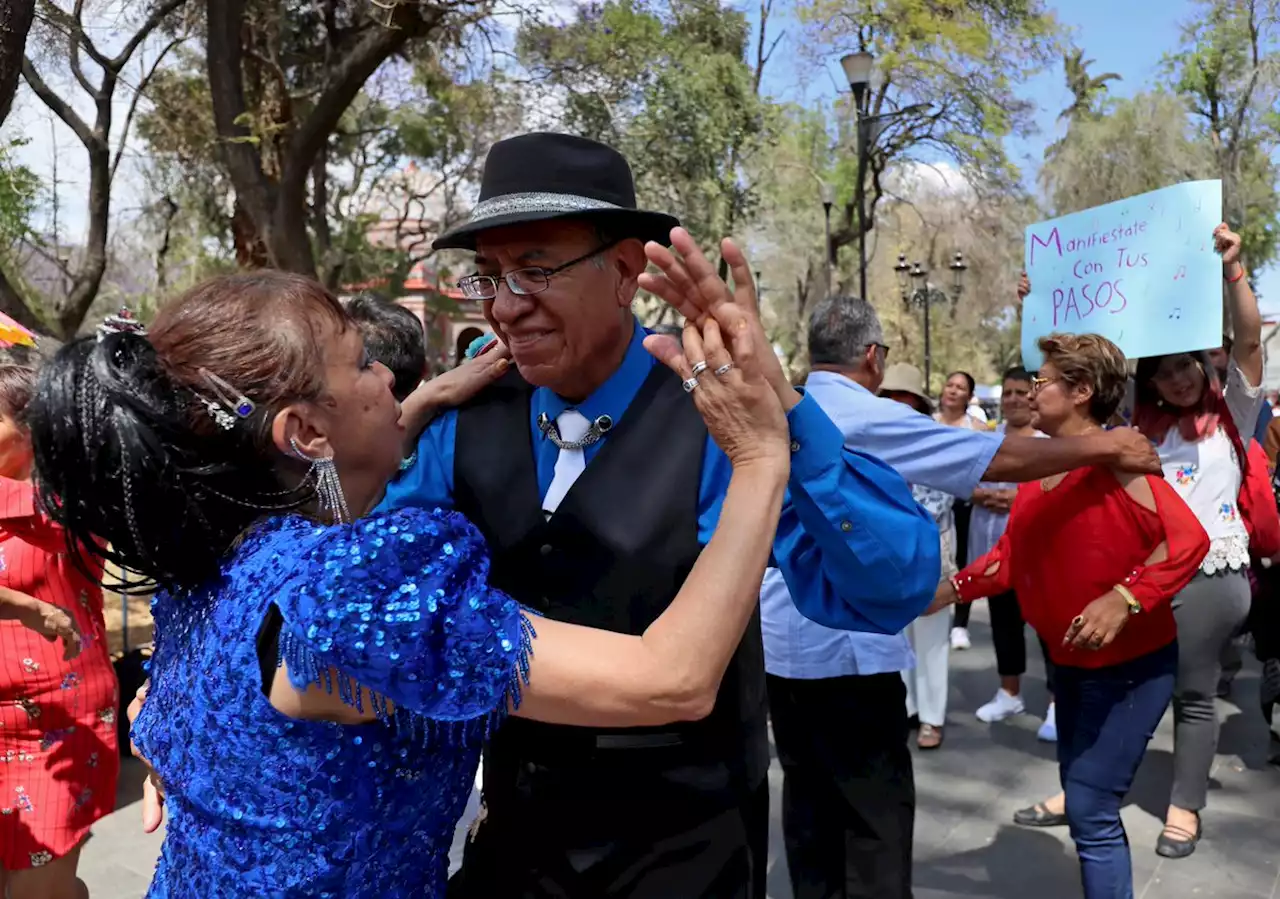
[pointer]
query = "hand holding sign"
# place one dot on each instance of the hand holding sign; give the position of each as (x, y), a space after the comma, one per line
(1117, 270)
(1227, 244)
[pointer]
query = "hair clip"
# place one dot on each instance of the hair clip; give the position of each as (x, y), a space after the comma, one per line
(121, 323)
(229, 397)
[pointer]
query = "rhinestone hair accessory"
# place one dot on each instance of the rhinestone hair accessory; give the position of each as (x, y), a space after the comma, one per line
(122, 322)
(328, 488)
(228, 398)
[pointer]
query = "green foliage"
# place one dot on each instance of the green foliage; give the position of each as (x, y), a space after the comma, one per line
(19, 195)
(967, 58)
(668, 85)
(1226, 71)
(1087, 90)
(1142, 144)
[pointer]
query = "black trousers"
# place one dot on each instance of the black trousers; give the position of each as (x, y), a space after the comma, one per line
(1008, 632)
(848, 790)
(613, 829)
(962, 512)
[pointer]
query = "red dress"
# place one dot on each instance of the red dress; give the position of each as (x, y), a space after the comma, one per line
(58, 749)
(1065, 547)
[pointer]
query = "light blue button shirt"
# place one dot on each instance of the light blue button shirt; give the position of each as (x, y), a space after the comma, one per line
(924, 452)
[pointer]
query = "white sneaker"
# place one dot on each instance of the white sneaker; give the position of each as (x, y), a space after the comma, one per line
(1048, 731)
(960, 638)
(1005, 705)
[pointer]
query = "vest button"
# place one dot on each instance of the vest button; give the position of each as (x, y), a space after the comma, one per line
(546, 549)
(846, 526)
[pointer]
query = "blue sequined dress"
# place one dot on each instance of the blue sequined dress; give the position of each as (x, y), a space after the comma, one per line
(263, 805)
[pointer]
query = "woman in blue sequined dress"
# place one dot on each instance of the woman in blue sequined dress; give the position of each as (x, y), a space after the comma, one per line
(320, 689)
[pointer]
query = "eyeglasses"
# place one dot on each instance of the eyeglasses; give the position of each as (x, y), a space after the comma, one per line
(879, 346)
(1037, 383)
(524, 282)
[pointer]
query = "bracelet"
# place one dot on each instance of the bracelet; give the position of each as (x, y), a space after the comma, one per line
(1134, 606)
(1237, 277)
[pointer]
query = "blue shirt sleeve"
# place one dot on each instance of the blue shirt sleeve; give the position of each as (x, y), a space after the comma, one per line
(922, 450)
(428, 482)
(856, 550)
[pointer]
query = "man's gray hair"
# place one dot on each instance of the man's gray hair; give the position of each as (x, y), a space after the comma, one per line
(840, 329)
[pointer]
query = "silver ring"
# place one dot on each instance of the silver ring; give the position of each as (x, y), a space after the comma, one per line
(724, 369)
(689, 384)
(699, 368)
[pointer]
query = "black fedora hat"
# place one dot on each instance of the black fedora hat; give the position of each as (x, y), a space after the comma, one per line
(543, 176)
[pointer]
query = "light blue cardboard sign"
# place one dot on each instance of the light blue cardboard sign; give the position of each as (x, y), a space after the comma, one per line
(1141, 272)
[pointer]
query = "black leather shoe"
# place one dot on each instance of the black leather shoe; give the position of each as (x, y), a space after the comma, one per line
(1181, 845)
(1038, 816)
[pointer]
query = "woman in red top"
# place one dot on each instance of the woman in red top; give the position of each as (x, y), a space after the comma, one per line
(1094, 557)
(58, 755)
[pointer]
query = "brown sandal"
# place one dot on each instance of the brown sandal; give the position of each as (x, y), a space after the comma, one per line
(930, 737)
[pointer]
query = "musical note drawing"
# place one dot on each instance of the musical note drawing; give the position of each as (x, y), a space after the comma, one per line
(1176, 314)
(1181, 273)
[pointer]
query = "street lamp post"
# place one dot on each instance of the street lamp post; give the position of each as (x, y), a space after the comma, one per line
(913, 281)
(857, 69)
(828, 200)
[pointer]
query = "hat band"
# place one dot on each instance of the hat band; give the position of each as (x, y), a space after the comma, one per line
(535, 202)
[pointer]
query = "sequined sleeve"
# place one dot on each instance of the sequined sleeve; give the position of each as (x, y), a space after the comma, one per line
(398, 604)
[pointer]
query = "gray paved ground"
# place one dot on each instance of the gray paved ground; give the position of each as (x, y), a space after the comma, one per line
(965, 843)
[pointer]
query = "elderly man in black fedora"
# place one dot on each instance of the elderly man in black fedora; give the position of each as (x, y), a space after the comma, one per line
(592, 476)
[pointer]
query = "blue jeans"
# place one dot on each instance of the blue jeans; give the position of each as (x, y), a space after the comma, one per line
(1106, 716)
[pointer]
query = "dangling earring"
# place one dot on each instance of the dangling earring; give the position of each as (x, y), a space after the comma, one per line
(328, 487)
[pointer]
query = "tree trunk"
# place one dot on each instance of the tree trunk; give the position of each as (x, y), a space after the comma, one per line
(15, 21)
(251, 252)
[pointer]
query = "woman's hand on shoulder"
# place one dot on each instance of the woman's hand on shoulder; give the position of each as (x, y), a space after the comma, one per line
(454, 387)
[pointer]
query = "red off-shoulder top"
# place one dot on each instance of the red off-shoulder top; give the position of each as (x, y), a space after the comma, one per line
(1066, 546)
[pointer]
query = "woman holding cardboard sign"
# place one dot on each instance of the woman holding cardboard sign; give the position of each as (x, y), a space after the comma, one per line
(1201, 428)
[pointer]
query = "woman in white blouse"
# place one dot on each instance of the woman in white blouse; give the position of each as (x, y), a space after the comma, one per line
(1198, 425)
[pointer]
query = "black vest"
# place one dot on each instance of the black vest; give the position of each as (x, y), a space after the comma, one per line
(612, 556)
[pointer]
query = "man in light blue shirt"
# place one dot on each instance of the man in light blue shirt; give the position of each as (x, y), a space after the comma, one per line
(836, 696)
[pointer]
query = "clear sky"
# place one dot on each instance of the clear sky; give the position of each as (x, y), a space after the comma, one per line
(1128, 37)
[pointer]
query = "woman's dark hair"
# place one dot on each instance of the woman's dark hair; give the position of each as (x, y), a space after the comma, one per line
(393, 336)
(968, 379)
(1090, 359)
(128, 450)
(17, 383)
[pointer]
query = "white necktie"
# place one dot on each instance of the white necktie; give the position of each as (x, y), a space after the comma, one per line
(573, 426)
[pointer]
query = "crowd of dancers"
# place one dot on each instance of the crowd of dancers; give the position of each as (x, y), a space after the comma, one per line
(555, 553)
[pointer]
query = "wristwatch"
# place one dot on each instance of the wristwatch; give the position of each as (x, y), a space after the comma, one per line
(1134, 606)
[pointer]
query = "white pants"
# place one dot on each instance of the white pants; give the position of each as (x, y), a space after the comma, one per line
(927, 682)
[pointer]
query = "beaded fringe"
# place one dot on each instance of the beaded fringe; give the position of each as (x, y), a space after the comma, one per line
(306, 668)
